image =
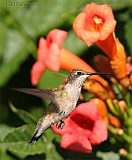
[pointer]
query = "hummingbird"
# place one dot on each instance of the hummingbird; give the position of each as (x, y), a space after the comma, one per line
(63, 101)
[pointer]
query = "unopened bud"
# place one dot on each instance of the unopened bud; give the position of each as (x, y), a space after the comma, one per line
(122, 152)
(122, 105)
(125, 82)
(114, 121)
(113, 80)
(119, 131)
(115, 101)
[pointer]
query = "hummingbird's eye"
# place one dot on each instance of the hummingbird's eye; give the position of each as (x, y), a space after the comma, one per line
(79, 73)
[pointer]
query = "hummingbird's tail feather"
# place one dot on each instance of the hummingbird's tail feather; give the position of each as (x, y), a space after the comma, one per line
(42, 125)
(35, 137)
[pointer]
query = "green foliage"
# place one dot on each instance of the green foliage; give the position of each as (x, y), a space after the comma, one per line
(20, 29)
(108, 155)
(80, 45)
(47, 78)
(25, 116)
(128, 35)
(4, 129)
(15, 140)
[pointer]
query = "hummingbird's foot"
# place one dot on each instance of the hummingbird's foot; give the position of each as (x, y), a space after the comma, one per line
(62, 113)
(60, 124)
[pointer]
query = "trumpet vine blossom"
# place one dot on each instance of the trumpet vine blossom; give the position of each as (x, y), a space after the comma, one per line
(83, 128)
(96, 25)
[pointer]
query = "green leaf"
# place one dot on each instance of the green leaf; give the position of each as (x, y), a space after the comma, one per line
(118, 4)
(128, 34)
(74, 44)
(4, 156)
(13, 55)
(4, 129)
(21, 149)
(108, 155)
(44, 15)
(87, 95)
(37, 111)
(51, 79)
(3, 35)
(16, 141)
(24, 115)
(52, 154)
(18, 134)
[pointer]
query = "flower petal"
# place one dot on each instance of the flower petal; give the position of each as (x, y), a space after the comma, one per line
(36, 71)
(42, 50)
(76, 143)
(56, 36)
(87, 109)
(53, 59)
(102, 108)
(95, 23)
(99, 133)
(79, 25)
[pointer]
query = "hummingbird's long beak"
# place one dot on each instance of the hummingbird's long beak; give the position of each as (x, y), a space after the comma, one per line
(98, 73)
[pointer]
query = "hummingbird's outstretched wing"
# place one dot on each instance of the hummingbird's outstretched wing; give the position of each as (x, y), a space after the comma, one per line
(42, 93)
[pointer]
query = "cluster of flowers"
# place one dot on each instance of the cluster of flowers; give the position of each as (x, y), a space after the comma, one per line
(87, 124)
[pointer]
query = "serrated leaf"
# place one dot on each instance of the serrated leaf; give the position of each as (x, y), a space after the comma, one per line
(108, 155)
(24, 115)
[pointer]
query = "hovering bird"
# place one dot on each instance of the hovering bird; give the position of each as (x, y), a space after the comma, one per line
(62, 101)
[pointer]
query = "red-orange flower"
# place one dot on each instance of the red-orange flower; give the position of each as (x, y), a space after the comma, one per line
(102, 108)
(95, 23)
(48, 54)
(83, 128)
(51, 55)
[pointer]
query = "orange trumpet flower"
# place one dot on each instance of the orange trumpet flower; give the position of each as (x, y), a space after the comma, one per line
(96, 24)
(102, 108)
